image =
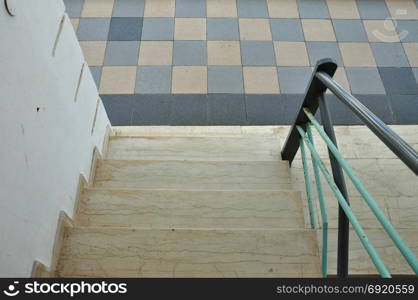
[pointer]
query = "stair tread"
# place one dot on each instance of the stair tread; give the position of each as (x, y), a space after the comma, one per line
(195, 148)
(202, 131)
(133, 252)
(202, 175)
(191, 209)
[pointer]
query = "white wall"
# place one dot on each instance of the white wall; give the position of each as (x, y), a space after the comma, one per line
(46, 137)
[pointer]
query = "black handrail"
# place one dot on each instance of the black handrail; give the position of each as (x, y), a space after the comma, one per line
(320, 81)
(394, 142)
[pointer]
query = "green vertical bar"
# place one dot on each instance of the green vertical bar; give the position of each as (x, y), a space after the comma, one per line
(307, 183)
(325, 249)
(380, 266)
(381, 217)
(324, 215)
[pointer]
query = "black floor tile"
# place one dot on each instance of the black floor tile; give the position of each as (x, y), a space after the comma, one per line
(151, 109)
(379, 105)
(118, 108)
(125, 29)
(399, 81)
(405, 108)
(226, 109)
(342, 115)
(272, 109)
(188, 110)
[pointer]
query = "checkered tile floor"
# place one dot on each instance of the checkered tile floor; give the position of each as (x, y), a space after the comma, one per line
(247, 47)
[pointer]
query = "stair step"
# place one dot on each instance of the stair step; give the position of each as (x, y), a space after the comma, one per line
(199, 175)
(191, 209)
(202, 131)
(360, 263)
(195, 148)
(118, 252)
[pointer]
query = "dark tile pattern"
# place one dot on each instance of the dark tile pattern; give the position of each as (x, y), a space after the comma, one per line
(240, 109)
(188, 110)
(151, 110)
(226, 109)
(399, 81)
(190, 8)
(405, 108)
(118, 108)
(125, 29)
(313, 9)
(74, 7)
(252, 9)
(390, 89)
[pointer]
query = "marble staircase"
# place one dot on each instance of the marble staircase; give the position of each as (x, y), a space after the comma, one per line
(190, 204)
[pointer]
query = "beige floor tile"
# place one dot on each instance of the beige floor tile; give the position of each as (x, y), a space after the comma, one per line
(357, 55)
(402, 9)
(75, 23)
(93, 52)
(341, 77)
(221, 8)
(156, 53)
(190, 29)
(411, 50)
(97, 9)
(381, 31)
(118, 80)
(261, 80)
(291, 54)
(255, 30)
(318, 30)
(189, 80)
(283, 9)
(159, 8)
(343, 9)
(224, 53)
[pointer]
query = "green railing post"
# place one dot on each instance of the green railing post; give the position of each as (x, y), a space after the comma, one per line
(391, 231)
(321, 200)
(380, 266)
(307, 184)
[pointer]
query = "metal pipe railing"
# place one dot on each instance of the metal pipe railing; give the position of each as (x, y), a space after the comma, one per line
(320, 81)
(380, 266)
(394, 142)
(323, 210)
(387, 226)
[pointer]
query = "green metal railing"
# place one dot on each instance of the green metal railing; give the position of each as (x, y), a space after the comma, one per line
(301, 136)
(307, 138)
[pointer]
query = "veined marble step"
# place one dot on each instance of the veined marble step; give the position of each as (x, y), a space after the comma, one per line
(116, 252)
(200, 131)
(191, 209)
(360, 262)
(195, 148)
(194, 175)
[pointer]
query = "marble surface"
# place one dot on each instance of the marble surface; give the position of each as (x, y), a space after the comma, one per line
(195, 148)
(191, 209)
(199, 175)
(199, 131)
(360, 262)
(102, 252)
(235, 213)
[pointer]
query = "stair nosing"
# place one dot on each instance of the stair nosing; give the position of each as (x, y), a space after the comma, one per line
(93, 188)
